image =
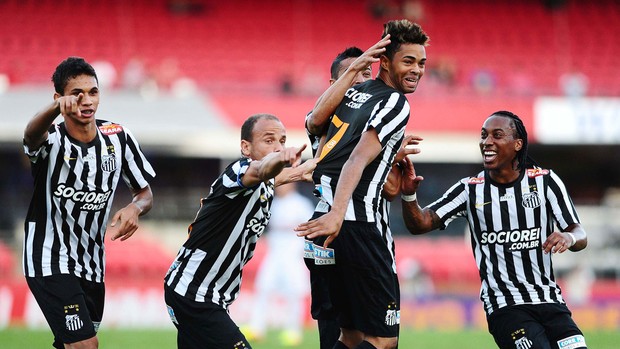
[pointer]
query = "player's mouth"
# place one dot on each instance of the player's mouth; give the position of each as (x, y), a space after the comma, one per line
(489, 155)
(411, 82)
(87, 113)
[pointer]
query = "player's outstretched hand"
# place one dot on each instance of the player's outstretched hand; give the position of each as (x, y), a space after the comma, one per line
(406, 150)
(70, 105)
(292, 155)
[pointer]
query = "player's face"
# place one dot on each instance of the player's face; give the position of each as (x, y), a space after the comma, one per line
(406, 68)
(498, 144)
(86, 85)
(268, 136)
(362, 76)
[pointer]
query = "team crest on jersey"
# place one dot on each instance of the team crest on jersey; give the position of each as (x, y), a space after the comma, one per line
(476, 180)
(531, 200)
(110, 129)
(521, 340)
(108, 163)
(535, 172)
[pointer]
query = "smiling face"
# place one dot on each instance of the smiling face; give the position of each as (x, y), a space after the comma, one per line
(499, 147)
(268, 136)
(88, 86)
(404, 71)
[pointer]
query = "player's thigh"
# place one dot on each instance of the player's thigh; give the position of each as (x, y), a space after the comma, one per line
(366, 288)
(203, 325)
(561, 329)
(64, 304)
(515, 327)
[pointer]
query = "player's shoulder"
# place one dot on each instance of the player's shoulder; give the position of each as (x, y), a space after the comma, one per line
(109, 127)
(479, 178)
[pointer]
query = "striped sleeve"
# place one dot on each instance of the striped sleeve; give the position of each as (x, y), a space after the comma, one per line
(561, 204)
(452, 204)
(137, 171)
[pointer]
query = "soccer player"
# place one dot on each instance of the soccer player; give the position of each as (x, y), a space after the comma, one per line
(353, 71)
(205, 277)
(365, 132)
(76, 166)
(512, 207)
(316, 124)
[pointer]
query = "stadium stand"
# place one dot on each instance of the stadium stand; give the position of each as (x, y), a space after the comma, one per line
(246, 45)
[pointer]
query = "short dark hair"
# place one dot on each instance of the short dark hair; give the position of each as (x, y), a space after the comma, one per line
(248, 125)
(403, 32)
(523, 159)
(69, 69)
(350, 52)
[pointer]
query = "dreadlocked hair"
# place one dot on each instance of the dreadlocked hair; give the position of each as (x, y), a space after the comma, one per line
(523, 159)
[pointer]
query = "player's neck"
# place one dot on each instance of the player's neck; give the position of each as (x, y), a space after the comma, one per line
(84, 133)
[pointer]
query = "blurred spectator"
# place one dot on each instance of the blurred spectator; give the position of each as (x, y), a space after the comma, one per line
(283, 274)
(520, 83)
(106, 74)
(416, 284)
(579, 285)
(413, 10)
(443, 71)
(483, 81)
(183, 88)
(574, 84)
(166, 73)
(286, 85)
(5, 83)
(381, 9)
(186, 7)
(134, 74)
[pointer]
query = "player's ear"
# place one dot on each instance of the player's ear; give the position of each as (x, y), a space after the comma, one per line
(384, 62)
(246, 148)
(518, 144)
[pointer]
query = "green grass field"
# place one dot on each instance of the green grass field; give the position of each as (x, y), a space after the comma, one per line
(19, 338)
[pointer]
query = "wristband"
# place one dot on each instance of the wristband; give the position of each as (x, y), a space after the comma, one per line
(409, 198)
(572, 237)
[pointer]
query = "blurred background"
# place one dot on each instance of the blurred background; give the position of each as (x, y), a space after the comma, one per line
(184, 74)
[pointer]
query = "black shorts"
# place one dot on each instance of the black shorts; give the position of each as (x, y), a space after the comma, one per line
(362, 285)
(543, 326)
(202, 324)
(72, 306)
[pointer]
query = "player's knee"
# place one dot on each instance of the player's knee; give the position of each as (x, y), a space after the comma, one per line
(90, 343)
(379, 343)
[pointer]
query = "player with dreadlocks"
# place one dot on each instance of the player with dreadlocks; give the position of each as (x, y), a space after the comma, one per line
(513, 208)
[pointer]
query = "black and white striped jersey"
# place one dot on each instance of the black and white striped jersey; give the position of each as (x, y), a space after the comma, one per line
(508, 224)
(222, 238)
(370, 105)
(74, 185)
(383, 211)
